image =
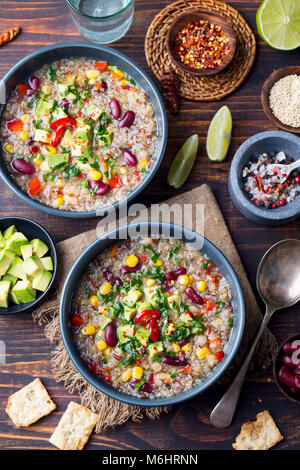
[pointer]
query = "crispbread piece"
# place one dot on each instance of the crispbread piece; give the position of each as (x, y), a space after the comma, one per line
(74, 428)
(29, 404)
(258, 435)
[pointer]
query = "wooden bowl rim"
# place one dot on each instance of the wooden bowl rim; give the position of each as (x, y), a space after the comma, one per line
(186, 68)
(275, 362)
(265, 92)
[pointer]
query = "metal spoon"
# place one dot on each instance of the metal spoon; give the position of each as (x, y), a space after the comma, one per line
(278, 283)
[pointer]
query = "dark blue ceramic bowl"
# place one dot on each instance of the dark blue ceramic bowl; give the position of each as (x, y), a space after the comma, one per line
(152, 228)
(31, 230)
(34, 61)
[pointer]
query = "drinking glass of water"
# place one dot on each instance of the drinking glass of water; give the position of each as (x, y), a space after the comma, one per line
(102, 21)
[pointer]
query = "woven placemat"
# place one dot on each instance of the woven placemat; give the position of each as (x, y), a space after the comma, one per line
(111, 412)
(213, 87)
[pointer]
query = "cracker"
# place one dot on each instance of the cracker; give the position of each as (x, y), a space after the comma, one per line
(74, 428)
(29, 404)
(258, 435)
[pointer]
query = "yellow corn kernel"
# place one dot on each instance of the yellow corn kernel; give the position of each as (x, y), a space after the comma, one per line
(126, 376)
(124, 82)
(176, 347)
(137, 372)
(191, 278)
(60, 183)
(92, 73)
(9, 148)
(119, 73)
(202, 353)
(150, 282)
(88, 330)
(50, 149)
(186, 347)
(101, 345)
(105, 288)
(184, 280)
(92, 81)
(23, 135)
(70, 78)
(95, 175)
(37, 162)
(131, 261)
(201, 286)
(123, 170)
(25, 117)
(107, 351)
(157, 262)
(94, 300)
(59, 201)
(142, 164)
(46, 89)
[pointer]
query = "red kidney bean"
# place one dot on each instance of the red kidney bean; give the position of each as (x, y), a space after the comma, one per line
(110, 335)
(183, 342)
(102, 189)
(126, 269)
(103, 86)
(147, 388)
(297, 370)
(291, 347)
(64, 102)
(174, 275)
(34, 83)
(287, 361)
(129, 158)
(110, 277)
(127, 119)
(23, 167)
(288, 378)
(29, 141)
(195, 298)
(174, 361)
(115, 108)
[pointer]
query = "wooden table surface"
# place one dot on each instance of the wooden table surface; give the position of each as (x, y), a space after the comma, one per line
(27, 350)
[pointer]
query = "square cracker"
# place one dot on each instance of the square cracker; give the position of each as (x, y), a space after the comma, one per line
(29, 404)
(74, 428)
(258, 435)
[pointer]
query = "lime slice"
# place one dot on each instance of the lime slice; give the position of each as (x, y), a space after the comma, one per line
(183, 162)
(278, 23)
(219, 135)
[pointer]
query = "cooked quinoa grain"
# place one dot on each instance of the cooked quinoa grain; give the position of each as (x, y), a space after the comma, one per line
(285, 100)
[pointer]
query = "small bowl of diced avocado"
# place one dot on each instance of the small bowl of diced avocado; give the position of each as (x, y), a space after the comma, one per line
(28, 263)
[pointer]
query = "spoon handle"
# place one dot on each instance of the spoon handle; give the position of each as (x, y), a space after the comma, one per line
(222, 414)
(294, 165)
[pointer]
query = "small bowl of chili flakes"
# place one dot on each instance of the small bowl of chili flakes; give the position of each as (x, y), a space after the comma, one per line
(201, 42)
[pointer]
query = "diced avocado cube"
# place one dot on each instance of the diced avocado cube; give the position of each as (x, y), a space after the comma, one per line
(43, 105)
(67, 139)
(4, 291)
(12, 296)
(2, 240)
(103, 321)
(24, 291)
(151, 295)
(42, 280)
(186, 318)
(173, 299)
(5, 262)
(125, 332)
(132, 297)
(9, 232)
(63, 91)
(16, 268)
(142, 335)
(56, 159)
(83, 133)
(11, 278)
(16, 241)
(155, 348)
(143, 305)
(105, 140)
(47, 263)
(42, 135)
(58, 113)
(129, 313)
(81, 150)
(26, 251)
(10, 254)
(32, 266)
(39, 248)
(93, 112)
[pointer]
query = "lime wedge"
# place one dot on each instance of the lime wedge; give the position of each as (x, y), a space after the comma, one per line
(183, 162)
(219, 135)
(278, 23)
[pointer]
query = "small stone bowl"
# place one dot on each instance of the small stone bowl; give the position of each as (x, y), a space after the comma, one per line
(276, 366)
(270, 141)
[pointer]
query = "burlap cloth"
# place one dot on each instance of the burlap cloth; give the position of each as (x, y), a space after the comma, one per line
(114, 413)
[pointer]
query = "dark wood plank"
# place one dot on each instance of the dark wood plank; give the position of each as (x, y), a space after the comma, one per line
(28, 352)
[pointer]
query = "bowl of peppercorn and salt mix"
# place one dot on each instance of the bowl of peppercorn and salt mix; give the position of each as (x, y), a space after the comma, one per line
(201, 42)
(254, 184)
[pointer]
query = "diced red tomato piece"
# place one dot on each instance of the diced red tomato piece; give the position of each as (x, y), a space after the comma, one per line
(101, 66)
(76, 320)
(115, 182)
(34, 186)
(22, 90)
(219, 355)
(15, 125)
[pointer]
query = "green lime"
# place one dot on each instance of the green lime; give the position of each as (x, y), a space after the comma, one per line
(183, 162)
(219, 135)
(278, 23)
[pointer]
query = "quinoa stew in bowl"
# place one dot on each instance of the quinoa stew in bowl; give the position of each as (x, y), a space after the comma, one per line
(81, 133)
(151, 319)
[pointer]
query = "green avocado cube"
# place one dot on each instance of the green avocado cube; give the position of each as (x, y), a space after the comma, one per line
(2, 240)
(5, 262)
(81, 150)
(58, 113)
(132, 297)
(129, 313)
(13, 298)
(4, 291)
(10, 254)
(9, 232)
(124, 333)
(39, 248)
(47, 263)
(42, 280)
(67, 139)
(83, 133)
(26, 251)
(93, 112)
(11, 278)
(32, 266)
(42, 135)
(43, 105)
(56, 159)
(24, 291)
(142, 335)
(16, 268)
(63, 91)
(186, 318)
(16, 241)
(143, 305)
(155, 348)
(103, 321)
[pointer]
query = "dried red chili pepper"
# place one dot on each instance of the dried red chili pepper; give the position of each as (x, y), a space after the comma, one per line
(170, 91)
(57, 136)
(146, 316)
(153, 329)
(76, 320)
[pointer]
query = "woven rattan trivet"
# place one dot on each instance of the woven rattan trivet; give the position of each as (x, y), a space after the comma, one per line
(213, 87)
